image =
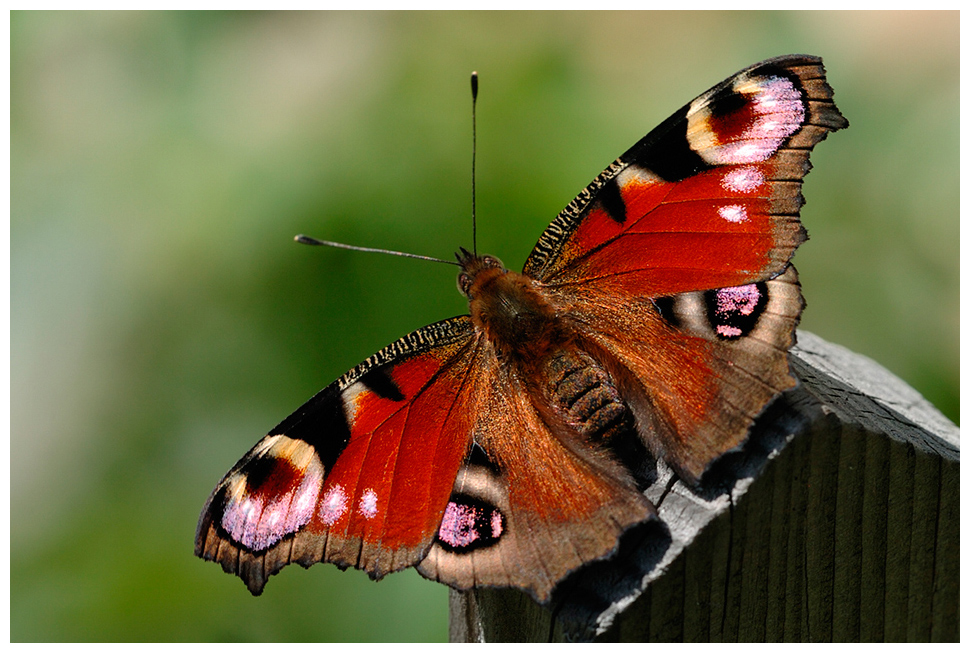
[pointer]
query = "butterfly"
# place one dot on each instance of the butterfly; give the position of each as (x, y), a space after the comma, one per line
(493, 449)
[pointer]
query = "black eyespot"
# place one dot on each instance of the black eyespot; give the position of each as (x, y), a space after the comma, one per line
(470, 524)
(734, 312)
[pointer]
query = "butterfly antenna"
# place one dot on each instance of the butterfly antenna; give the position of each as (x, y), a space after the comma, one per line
(474, 148)
(307, 240)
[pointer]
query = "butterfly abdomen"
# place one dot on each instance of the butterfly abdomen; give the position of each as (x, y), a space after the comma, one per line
(525, 328)
(586, 396)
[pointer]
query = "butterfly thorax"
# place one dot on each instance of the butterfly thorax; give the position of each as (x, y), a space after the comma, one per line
(510, 309)
(520, 322)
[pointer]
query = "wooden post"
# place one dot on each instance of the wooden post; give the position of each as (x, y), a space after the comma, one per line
(838, 521)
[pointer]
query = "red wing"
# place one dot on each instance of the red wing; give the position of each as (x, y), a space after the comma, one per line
(361, 474)
(709, 199)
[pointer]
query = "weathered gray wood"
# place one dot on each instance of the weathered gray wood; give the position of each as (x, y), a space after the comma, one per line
(838, 521)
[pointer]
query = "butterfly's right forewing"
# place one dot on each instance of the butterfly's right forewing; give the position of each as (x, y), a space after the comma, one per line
(361, 474)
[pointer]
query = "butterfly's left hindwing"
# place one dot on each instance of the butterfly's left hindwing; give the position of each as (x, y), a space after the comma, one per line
(360, 475)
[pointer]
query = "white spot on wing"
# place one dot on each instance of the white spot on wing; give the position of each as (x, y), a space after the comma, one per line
(301, 508)
(334, 505)
(743, 180)
(349, 398)
(368, 503)
(733, 213)
(635, 173)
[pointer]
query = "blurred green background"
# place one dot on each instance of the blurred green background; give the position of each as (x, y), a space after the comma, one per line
(162, 319)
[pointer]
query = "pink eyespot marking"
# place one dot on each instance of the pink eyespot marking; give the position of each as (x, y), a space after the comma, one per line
(775, 112)
(260, 515)
(458, 525)
(368, 503)
(333, 506)
(733, 213)
(781, 105)
(739, 299)
(743, 180)
(258, 524)
(470, 525)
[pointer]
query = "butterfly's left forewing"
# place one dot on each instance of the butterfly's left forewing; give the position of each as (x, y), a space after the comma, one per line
(361, 474)
(708, 199)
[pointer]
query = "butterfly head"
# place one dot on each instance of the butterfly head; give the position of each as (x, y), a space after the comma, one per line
(511, 310)
(472, 268)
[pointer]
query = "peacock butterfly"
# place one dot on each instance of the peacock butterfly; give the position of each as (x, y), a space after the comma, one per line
(488, 449)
